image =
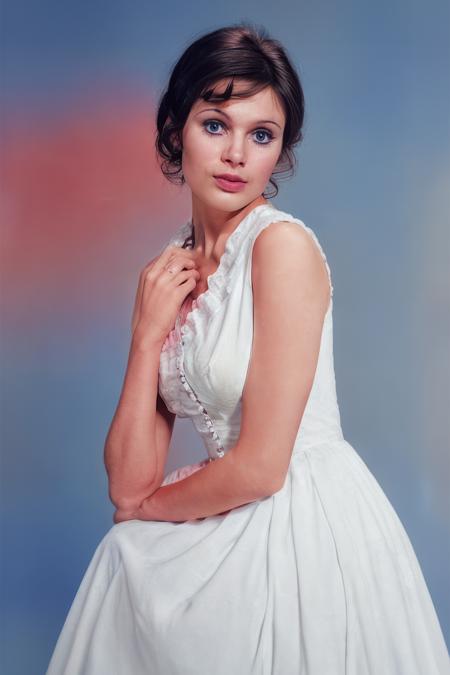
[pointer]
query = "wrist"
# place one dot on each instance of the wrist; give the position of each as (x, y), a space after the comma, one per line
(144, 341)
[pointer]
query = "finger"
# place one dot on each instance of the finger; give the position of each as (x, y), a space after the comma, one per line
(185, 275)
(153, 269)
(181, 257)
(174, 258)
(178, 261)
(165, 256)
(175, 265)
(176, 251)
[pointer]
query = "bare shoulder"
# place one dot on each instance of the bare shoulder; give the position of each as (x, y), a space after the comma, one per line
(286, 255)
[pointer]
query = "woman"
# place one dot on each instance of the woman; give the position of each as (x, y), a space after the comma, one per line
(279, 553)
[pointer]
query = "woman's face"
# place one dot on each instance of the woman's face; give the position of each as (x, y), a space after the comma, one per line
(242, 137)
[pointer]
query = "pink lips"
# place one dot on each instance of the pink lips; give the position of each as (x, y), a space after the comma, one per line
(229, 185)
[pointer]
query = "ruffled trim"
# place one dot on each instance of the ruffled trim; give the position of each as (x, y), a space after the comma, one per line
(219, 285)
(174, 336)
(206, 304)
(219, 282)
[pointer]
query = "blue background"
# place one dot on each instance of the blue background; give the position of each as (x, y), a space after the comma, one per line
(84, 207)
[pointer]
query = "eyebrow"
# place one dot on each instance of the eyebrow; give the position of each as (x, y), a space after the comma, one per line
(222, 112)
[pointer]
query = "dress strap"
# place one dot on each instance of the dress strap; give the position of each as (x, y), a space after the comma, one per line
(277, 215)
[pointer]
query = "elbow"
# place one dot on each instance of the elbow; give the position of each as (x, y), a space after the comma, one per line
(132, 499)
(128, 487)
(258, 483)
(267, 489)
(272, 487)
(270, 482)
(124, 503)
(279, 475)
(128, 504)
(267, 484)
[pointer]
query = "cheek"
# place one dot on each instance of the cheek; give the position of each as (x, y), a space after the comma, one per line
(266, 163)
(197, 151)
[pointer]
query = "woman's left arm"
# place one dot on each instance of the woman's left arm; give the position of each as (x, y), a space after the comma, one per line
(291, 294)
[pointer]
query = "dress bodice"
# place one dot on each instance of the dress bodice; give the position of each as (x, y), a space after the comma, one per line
(205, 358)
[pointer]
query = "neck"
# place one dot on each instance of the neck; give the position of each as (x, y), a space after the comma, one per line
(210, 229)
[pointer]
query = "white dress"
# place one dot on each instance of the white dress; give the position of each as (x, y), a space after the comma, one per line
(318, 579)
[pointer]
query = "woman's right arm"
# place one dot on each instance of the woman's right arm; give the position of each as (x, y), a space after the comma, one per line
(139, 436)
(138, 439)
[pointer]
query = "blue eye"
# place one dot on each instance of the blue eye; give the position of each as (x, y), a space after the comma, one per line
(267, 133)
(206, 123)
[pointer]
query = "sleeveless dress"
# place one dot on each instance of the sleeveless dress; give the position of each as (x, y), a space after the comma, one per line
(319, 578)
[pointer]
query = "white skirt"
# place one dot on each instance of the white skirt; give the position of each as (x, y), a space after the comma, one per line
(317, 579)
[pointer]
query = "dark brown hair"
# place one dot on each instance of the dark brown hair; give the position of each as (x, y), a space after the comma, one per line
(237, 51)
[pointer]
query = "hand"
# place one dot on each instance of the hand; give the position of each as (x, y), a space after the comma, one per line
(161, 292)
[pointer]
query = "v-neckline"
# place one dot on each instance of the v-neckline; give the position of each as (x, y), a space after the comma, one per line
(184, 328)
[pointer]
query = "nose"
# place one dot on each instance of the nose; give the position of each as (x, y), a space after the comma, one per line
(234, 151)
